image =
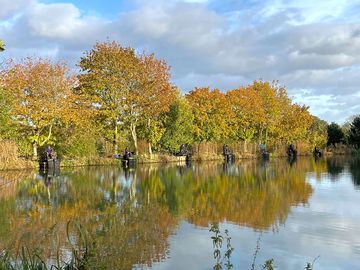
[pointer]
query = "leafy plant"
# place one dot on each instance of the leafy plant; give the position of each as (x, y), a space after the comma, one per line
(217, 244)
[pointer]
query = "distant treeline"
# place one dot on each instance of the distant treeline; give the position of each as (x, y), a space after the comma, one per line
(121, 98)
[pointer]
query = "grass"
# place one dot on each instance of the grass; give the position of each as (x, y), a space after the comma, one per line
(31, 259)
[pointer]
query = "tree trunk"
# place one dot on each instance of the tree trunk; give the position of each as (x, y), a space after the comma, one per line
(115, 145)
(150, 150)
(149, 143)
(198, 149)
(134, 137)
(35, 151)
(245, 147)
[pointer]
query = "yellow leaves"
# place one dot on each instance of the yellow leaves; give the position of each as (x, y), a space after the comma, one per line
(128, 88)
(157, 93)
(124, 88)
(211, 113)
(41, 91)
(264, 110)
(44, 103)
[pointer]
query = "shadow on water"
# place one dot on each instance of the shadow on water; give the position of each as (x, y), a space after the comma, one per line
(139, 208)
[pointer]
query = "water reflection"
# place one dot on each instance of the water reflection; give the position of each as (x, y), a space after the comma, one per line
(131, 212)
(354, 168)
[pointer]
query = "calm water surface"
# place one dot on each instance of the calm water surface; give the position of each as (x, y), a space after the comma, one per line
(158, 216)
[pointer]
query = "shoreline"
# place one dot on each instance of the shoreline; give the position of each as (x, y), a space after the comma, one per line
(22, 164)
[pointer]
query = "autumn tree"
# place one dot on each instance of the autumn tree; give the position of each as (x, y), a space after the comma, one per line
(5, 119)
(295, 123)
(273, 99)
(41, 98)
(127, 88)
(6, 124)
(178, 125)
(109, 74)
(247, 114)
(153, 98)
(211, 114)
(317, 134)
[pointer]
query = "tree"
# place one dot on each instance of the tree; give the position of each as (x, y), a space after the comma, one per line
(295, 124)
(179, 125)
(154, 97)
(109, 74)
(129, 90)
(335, 134)
(247, 113)
(211, 114)
(273, 101)
(318, 133)
(354, 132)
(42, 98)
(6, 124)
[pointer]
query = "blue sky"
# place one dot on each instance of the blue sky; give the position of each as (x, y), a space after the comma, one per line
(311, 47)
(105, 9)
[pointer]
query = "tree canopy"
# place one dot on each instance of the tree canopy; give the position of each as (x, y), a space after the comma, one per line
(42, 99)
(335, 134)
(128, 89)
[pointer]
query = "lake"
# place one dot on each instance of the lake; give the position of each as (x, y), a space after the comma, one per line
(159, 216)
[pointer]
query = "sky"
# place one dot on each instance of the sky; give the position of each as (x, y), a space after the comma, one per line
(311, 47)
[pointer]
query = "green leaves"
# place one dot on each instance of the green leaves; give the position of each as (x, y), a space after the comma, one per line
(335, 134)
(179, 126)
(354, 132)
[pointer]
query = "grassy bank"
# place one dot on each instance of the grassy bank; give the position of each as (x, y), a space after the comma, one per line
(9, 155)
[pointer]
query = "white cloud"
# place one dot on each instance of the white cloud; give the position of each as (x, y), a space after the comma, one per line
(54, 20)
(9, 7)
(62, 21)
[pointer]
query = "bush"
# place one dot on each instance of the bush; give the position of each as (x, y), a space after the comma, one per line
(9, 156)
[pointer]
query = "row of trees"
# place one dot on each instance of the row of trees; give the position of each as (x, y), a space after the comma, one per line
(121, 96)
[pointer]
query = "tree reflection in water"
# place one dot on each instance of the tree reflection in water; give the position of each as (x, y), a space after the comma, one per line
(355, 171)
(131, 214)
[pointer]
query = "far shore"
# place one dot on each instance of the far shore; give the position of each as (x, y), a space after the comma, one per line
(143, 159)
